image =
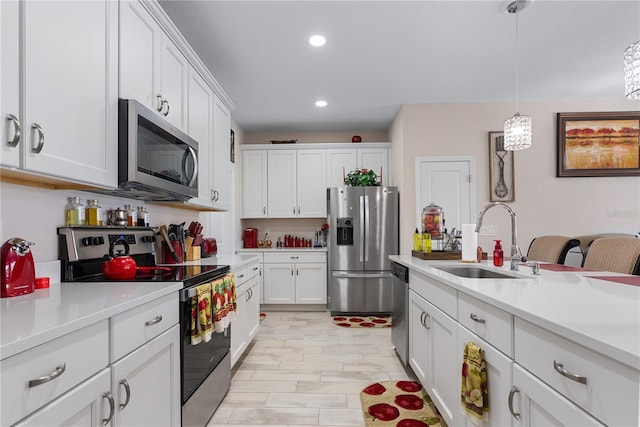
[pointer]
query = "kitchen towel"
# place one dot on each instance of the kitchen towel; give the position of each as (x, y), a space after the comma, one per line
(224, 302)
(469, 242)
(474, 392)
(201, 327)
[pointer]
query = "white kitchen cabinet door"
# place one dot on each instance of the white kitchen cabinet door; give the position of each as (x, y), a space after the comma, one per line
(281, 184)
(85, 405)
(11, 134)
(220, 174)
(311, 191)
(152, 374)
(200, 128)
(376, 159)
(254, 171)
(536, 404)
(339, 163)
(238, 327)
(174, 72)
(311, 283)
(279, 284)
(498, 378)
(432, 355)
(71, 89)
(252, 319)
(140, 52)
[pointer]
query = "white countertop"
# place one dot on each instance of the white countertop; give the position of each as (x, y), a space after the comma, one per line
(29, 320)
(601, 315)
(248, 250)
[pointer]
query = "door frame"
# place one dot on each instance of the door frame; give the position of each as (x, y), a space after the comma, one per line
(439, 159)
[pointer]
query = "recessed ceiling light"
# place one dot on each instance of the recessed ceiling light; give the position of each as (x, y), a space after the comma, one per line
(321, 103)
(317, 40)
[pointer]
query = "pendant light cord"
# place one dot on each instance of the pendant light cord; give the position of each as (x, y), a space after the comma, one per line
(517, 73)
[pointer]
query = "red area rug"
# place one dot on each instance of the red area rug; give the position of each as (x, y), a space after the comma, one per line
(399, 404)
(362, 321)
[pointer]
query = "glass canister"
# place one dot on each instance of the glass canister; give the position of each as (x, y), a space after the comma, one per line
(433, 220)
(132, 215)
(94, 213)
(74, 212)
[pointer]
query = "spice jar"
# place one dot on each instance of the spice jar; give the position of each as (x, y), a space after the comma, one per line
(74, 212)
(132, 215)
(94, 213)
(143, 216)
(433, 220)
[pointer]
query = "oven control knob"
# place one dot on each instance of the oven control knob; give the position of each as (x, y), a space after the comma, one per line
(98, 240)
(86, 241)
(148, 239)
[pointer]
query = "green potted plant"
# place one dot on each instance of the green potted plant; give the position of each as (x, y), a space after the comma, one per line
(361, 177)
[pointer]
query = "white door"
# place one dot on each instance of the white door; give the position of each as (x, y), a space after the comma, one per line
(279, 284)
(339, 163)
(173, 83)
(312, 184)
(282, 184)
(311, 283)
(221, 183)
(418, 337)
(9, 84)
(376, 159)
(252, 318)
(254, 183)
(447, 182)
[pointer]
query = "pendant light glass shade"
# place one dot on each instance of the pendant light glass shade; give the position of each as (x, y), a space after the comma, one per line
(632, 71)
(517, 132)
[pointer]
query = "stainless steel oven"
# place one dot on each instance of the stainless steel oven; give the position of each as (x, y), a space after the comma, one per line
(205, 368)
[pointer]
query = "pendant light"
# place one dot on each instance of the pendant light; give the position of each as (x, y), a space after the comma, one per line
(517, 129)
(632, 71)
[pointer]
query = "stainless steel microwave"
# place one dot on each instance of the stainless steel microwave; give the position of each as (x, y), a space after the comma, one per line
(156, 160)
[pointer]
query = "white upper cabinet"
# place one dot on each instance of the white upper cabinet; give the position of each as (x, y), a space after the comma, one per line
(220, 175)
(311, 183)
(152, 68)
(341, 161)
(10, 127)
(68, 86)
(200, 128)
(254, 176)
(281, 183)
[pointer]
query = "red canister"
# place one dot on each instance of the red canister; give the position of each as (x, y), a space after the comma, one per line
(250, 237)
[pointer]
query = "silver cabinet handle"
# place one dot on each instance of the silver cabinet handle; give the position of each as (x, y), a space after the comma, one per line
(153, 321)
(298, 210)
(297, 272)
(476, 318)
(17, 133)
(168, 108)
(427, 318)
(37, 149)
(513, 391)
(213, 195)
(161, 104)
(264, 210)
(294, 210)
(52, 376)
(422, 318)
(292, 271)
(254, 268)
(112, 408)
(559, 367)
(127, 390)
(295, 257)
(240, 276)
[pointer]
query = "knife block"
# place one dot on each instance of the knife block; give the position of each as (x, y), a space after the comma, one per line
(193, 253)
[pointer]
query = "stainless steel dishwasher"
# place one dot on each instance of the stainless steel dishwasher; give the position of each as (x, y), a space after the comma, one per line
(400, 312)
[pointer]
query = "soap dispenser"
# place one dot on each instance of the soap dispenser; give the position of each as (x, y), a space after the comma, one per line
(498, 256)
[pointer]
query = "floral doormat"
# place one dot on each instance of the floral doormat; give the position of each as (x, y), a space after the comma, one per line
(400, 404)
(362, 321)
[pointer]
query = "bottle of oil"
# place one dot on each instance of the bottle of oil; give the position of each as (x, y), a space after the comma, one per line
(426, 242)
(417, 241)
(132, 215)
(74, 212)
(94, 213)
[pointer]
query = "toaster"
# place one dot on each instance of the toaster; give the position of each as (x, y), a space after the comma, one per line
(18, 268)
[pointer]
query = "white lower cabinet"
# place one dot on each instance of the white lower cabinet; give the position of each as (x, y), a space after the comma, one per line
(535, 404)
(498, 378)
(432, 355)
(295, 278)
(247, 322)
(146, 383)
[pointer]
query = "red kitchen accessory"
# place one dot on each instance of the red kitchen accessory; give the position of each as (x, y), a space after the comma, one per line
(18, 268)
(250, 237)
(209, 247)
(119, 266)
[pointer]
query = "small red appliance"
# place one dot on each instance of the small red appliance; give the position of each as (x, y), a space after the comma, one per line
(209, 247)
(250, 237)
(18, 268)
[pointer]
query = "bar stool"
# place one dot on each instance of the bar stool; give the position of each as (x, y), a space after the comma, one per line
(551, 249)
(616, 254)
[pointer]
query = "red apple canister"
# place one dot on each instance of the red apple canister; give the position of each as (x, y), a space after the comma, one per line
(433, 220)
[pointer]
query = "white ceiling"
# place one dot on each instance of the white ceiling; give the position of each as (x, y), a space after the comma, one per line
(382, 54)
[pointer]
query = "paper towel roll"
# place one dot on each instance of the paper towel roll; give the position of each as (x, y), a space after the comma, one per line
(469, 242)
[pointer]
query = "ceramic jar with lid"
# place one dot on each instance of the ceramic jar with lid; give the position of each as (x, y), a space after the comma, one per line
(433, 220)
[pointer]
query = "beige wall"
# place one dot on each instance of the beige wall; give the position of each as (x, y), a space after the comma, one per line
(544, 204)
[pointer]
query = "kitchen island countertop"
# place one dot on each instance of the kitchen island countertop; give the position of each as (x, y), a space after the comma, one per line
(599, 314)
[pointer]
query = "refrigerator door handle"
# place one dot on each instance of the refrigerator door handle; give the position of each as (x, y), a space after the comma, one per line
(366, 228)
(342, 274)
(362, 228)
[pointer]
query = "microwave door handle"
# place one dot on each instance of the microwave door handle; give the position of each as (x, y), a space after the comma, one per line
(194, 177)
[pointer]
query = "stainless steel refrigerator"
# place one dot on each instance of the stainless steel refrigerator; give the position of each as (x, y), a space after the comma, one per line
(363, 232)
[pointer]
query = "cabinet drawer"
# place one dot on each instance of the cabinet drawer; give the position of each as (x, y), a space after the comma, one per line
(442, 296)
(491, 324)
(294, 257)
(240, 275)
(135, 327)
(611, 391)
(82, 354)
(253, 270)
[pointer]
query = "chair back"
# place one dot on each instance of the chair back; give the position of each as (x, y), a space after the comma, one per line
(616, 254)
(551, 249)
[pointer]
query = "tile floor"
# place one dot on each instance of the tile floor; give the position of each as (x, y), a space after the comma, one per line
(301, 370)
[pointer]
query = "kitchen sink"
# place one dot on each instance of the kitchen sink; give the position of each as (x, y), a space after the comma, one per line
(476, 273)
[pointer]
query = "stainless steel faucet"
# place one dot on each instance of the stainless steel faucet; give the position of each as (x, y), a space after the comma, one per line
(516, 254)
